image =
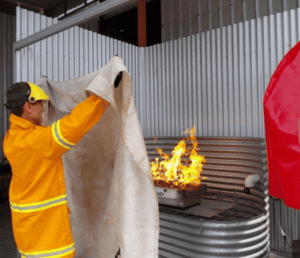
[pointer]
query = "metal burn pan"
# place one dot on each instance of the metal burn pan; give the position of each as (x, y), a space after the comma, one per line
(180, 197)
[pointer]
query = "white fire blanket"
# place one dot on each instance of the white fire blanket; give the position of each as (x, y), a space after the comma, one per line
(110, 189)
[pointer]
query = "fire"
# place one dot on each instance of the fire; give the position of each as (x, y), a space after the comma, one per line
(171, 171)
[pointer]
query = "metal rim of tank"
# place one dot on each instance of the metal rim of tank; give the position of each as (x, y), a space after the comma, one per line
(257, 202)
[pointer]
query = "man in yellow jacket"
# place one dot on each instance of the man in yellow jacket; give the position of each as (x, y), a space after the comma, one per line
(40, 214)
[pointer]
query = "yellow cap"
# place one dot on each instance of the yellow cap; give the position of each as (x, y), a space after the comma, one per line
(36, 93)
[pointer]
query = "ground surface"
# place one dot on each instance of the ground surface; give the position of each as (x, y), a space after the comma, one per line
(7, 244)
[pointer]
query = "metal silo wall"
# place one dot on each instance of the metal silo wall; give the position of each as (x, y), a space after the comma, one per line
(215, 79)
(7, 36)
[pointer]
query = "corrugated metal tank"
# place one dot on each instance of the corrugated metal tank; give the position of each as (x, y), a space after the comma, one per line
(186, 238)
(240, 231)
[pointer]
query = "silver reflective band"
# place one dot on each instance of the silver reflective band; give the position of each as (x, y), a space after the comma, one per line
(33, 207)
(56, 253)
(59, 137)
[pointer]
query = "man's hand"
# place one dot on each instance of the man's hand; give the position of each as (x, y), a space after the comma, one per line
(118, 79)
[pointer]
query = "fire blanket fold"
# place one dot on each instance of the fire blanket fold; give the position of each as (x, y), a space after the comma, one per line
(110, 189)
(282, 114)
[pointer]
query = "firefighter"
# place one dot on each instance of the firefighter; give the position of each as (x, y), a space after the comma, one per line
(38, 201)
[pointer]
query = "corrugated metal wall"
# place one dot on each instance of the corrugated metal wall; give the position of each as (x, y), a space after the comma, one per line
(181, 18)
(70, 54)
(215, 80)
(7, 37)
(290, 223)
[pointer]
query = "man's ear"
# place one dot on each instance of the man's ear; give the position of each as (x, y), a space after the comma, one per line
(28, 107)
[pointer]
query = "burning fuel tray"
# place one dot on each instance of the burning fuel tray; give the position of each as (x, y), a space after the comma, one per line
(180, 198)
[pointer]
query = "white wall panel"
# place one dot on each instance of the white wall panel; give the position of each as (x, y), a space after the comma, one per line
(193, 80)
(43, 53)
(220, 84)
(215, 79)
(224, 80)
(176, 87)
(260, 75)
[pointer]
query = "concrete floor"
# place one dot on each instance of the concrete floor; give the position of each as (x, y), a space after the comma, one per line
(7, 244)
(277, 255)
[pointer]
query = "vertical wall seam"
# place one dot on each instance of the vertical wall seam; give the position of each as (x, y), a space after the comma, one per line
(251, 56)
(5, 39)
(7, 68)
(258, 72)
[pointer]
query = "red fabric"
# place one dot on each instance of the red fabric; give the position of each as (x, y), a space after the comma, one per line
(282, 113)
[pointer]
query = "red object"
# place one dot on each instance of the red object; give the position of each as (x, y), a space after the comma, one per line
(282, 114)
(142, 31)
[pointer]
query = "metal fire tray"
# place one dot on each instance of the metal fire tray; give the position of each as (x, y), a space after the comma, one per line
(180, 198)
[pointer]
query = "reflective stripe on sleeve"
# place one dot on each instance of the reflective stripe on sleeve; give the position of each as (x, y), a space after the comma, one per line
(58, 137)
(55, 253)
(37, 206)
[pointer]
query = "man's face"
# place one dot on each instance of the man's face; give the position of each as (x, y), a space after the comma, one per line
(37, 113)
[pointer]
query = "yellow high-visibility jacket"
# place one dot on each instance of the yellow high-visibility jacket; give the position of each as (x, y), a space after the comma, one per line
(37, 194)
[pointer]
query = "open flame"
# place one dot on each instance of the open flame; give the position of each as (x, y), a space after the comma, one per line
(172, 173)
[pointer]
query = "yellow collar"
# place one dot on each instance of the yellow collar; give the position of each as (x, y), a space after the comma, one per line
(17, 122)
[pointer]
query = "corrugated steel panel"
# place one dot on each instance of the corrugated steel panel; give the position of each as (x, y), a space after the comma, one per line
(227, 69)
(181, 18)
(7, 37)
(215, 80)
(69, 54)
